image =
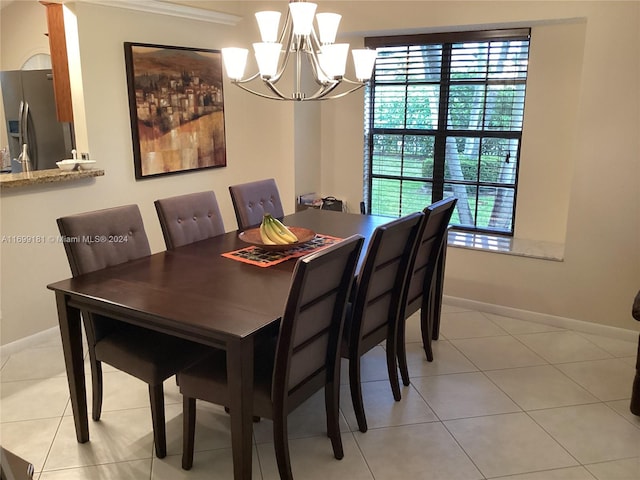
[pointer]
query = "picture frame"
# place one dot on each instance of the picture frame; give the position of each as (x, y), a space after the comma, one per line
(176, 106)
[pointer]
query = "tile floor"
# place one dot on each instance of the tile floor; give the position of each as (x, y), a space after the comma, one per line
(503, 399)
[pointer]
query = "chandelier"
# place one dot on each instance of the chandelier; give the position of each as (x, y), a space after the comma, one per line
(296, 44)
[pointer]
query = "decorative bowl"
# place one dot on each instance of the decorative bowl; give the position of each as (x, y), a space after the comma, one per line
(85, 164)
(67, 165)
(252, 237)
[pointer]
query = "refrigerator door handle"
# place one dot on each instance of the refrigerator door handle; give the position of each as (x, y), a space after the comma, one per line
(21, 123)
(24, 120)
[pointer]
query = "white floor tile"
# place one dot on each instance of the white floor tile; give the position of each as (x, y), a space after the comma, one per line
(31, 399)
(562, 347)
(463, 395)
(119, 436)
(382, 410)
(539, 387)
(606, 379)
(515, 326)
(30, 440)
(447, 359)
(468, 325)
(207, 465)
(508, 444)
(415, 451)
(134, 470)
(571, 473)
(312, 459)
(491, 353)
(591, 433)
(627, 469)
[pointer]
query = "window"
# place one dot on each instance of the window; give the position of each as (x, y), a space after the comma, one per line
(443, 117)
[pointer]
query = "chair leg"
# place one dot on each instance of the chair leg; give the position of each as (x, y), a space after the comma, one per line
(281, 444)
(439, 290)
(392, 368)
(156, 396)
(402, 353)
(96, 387)
(188, 431)
(332, 409)
(426, 318)
(356, 392)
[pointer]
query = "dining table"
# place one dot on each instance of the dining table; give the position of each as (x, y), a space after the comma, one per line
(198, 292)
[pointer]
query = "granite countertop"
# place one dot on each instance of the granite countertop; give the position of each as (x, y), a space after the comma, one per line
(39, 177)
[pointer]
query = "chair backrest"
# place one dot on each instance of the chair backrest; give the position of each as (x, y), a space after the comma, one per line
(103, 238)
(252, 200)
(311, 328)
(381, 281)
(189, 218)
(431, 241)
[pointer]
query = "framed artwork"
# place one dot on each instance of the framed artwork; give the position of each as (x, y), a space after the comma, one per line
(176, 107)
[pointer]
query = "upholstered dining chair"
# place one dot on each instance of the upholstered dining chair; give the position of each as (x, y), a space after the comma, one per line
(101, 239)
(421, 292)
(252, 200)
(303, 361)
(189, 218)
(375, 307)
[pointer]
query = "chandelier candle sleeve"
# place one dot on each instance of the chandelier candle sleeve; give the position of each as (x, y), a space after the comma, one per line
(299, 45)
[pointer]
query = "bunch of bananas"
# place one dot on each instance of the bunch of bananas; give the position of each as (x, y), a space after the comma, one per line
(274, 232)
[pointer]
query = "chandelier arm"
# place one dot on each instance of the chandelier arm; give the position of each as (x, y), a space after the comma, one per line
(323, 91)
(246, 80)
(315, 61)
(287, 48)
(259, 94)
(354, 82)
(339, 95)
(270, 85)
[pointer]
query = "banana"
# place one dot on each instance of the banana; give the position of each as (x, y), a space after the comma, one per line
(272, 233)
(283, 230)
(263, 235)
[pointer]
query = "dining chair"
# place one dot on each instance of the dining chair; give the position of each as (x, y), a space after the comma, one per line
(252, 200)
(375, 308)
(421, 292)
(101, 239)
(300, 361)
(189, 218)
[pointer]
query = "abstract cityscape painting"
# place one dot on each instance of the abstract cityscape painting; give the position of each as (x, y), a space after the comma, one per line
(176, 107)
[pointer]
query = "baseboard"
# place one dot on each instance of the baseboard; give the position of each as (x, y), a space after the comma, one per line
(553, 320)
(34, 340)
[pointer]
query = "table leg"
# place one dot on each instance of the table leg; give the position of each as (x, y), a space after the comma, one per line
(71, 332)
(240, 383)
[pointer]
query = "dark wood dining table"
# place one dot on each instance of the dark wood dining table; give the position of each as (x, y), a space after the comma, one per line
(193, 292)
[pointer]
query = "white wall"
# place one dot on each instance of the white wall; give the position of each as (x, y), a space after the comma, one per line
(259, 137)
(580, 161)
(590, 133)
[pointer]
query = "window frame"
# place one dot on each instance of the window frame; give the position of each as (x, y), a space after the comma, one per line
(443, 132)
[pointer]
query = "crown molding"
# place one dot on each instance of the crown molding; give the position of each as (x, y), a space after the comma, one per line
(161, 7)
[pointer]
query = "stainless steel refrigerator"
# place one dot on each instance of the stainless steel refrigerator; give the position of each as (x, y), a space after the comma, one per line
(30, 112)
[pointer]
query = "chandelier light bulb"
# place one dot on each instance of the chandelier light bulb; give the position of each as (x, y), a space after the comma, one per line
(302, 15)
(267, 56)
(328, 27)
(268, 23)
(235, 61)
(333, 60)
(364, 59)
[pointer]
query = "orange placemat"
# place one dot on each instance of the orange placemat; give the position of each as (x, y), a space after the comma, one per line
(264, 258)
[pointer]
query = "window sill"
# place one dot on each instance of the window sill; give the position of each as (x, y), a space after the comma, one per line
(507, 245)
